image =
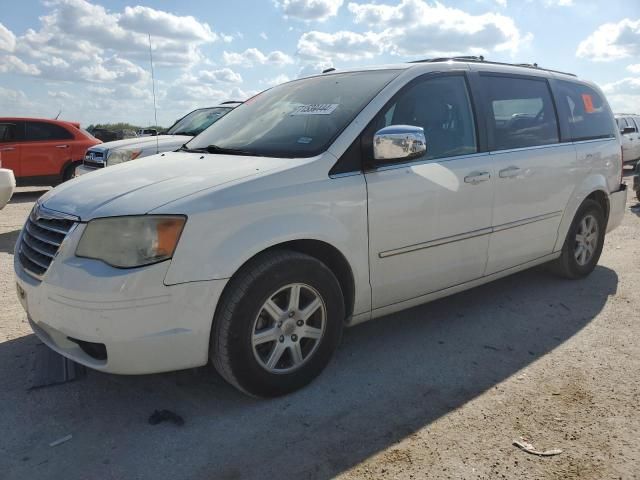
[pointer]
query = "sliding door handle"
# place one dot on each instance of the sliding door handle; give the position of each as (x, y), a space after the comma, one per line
(477, 177)
(62, 146)
(7, 149)
(509, 172)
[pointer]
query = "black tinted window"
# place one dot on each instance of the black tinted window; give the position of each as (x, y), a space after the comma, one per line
(46, 131)
(7, 132)
(441, 107)
(587, 113)
(521, 112)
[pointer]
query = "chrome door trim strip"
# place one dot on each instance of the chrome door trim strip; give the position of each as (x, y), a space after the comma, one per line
(526, 221)
(436, 242)
(465, 236)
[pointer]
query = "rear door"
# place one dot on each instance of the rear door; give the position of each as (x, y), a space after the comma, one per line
(429, 219)
(533, 169)
(45, 150)
(10, 134)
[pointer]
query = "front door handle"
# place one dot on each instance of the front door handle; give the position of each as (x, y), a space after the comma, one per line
(62, 146)
(509, 172)
(7, 149)
(475, 178)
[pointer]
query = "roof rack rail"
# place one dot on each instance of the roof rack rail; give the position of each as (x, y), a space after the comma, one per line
(231, 101)
(327, 70)
(480, 59)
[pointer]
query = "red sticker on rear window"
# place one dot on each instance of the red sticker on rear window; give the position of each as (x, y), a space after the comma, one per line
(588, 103)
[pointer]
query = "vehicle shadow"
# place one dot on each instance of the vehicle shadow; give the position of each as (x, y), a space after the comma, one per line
(390, 378)
(8, 241)
(27, 196)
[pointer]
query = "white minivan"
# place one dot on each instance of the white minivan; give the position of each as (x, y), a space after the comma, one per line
(317, 204)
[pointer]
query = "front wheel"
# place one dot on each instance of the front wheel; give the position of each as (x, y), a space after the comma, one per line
(278, 324)
(583, 245)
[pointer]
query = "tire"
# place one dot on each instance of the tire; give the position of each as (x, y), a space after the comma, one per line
(69, 172)
(574, 263)
(241, 315)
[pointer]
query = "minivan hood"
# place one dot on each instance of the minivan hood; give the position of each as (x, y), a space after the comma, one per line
(138, 187)
(164, 142)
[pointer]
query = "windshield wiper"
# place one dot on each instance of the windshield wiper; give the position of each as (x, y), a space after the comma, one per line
(230, 151)
(184, 148)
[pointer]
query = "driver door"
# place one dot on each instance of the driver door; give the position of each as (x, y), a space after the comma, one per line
(429, 218)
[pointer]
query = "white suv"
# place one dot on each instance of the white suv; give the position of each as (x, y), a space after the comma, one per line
(318, 204)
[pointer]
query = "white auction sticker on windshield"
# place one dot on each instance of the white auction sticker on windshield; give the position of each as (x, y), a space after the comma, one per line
(315, 109)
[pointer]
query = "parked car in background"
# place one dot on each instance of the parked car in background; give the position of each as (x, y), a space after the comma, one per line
(147, 132)
(42, 151)
(629, 126)
(112, 153)
(322, 202)
(7, 185)
(107, 135)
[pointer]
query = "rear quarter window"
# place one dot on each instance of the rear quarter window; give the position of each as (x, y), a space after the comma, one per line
(586, 112)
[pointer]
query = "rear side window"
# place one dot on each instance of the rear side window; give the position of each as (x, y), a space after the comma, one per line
(442, 108)
(46, 131)
(521, 112)
(587, 114)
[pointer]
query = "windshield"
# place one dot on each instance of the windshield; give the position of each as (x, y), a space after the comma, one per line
(295, 119)
(197, 121)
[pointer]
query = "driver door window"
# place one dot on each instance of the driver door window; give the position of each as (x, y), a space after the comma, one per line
(442, 108)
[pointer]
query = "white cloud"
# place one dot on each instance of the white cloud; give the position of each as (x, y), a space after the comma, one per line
(612, 41)
(226, 38)
(313, 68)
(253, 56)
(7, 39)
(623, 95)
(309, 10)
(343, 45)
(277, 80)
(81, 41)
(414, 28)
(264, 36)
(15, 102)
(559, 3)
(60, 95)
(12, 64)
(635, 68)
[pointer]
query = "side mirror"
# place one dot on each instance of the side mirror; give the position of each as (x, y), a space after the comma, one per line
(626, 130)
(399, 142)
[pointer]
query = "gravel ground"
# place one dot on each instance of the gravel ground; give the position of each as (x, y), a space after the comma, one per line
(439, 391)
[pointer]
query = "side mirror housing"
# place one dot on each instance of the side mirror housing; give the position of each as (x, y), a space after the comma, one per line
(399, 142)
(626, 130)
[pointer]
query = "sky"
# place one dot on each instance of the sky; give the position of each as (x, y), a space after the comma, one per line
(89, 59)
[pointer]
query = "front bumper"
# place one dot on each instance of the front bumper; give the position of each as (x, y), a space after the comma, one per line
(7, 186)
(617, 207)
(145, 326)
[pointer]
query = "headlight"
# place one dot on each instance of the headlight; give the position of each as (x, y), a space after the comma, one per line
(126, 242)
(120, 156)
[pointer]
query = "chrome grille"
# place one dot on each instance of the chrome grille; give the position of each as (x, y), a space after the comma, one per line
(94, 159)
(42, 236)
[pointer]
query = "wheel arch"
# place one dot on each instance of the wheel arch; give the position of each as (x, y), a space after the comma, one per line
(593, 188)
(326, 253)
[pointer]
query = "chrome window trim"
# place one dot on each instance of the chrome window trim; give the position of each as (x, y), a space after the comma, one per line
(420, 161)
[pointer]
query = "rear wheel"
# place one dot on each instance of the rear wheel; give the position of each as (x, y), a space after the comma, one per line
(583, 245)
(278, 324)
(69, 172)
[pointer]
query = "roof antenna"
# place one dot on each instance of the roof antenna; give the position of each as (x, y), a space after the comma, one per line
(58, 115)
(153, 88)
